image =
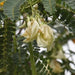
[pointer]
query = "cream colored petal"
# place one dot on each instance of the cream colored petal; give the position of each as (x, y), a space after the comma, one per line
(45, 37)
(28, 21)
(35, 27)
(41, 42)
(56, 67)
(40, 21)
(60, 55)
(27, 33)
(27, 40)
(31, 31)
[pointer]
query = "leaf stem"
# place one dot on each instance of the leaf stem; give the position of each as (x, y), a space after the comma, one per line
(68, 9)
(33, 68)
(30, 2)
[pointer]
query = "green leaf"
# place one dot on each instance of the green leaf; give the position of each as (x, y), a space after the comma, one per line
(11, 8)
(71, 3)
(49, 5)
(2, 0)
(7, 30)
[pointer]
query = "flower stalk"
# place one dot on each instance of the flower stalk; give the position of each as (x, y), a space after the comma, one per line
(33, 68)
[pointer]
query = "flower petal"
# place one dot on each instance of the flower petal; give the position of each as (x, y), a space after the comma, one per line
(45, 37)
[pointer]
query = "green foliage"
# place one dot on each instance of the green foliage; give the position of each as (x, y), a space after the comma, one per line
(2, 0)
(11, 8)
(49, 5)
(15, 55)
(6, 42)
(64, 5)
(26, 7)
(67, 18)
(71, 3)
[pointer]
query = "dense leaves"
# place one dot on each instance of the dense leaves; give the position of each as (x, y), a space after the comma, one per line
(6, 42)
(49, 5)
(15, 54)
(71, 3)
(11, 8)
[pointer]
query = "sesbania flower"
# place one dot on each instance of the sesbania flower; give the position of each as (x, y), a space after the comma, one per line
(45, 37)
(31, 31)
(58, 55)
(39, 31)
(56, 67)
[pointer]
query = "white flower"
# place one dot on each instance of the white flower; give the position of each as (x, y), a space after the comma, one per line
(37, 30)
(31, 31)
(45, 37)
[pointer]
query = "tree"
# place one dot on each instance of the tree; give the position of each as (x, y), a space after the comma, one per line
(46, 23)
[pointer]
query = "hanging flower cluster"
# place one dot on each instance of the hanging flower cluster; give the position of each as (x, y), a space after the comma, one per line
(39, 31)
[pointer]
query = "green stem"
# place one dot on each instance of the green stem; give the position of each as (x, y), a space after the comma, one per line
(30, 2)
(36, 2)
(33, 68)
